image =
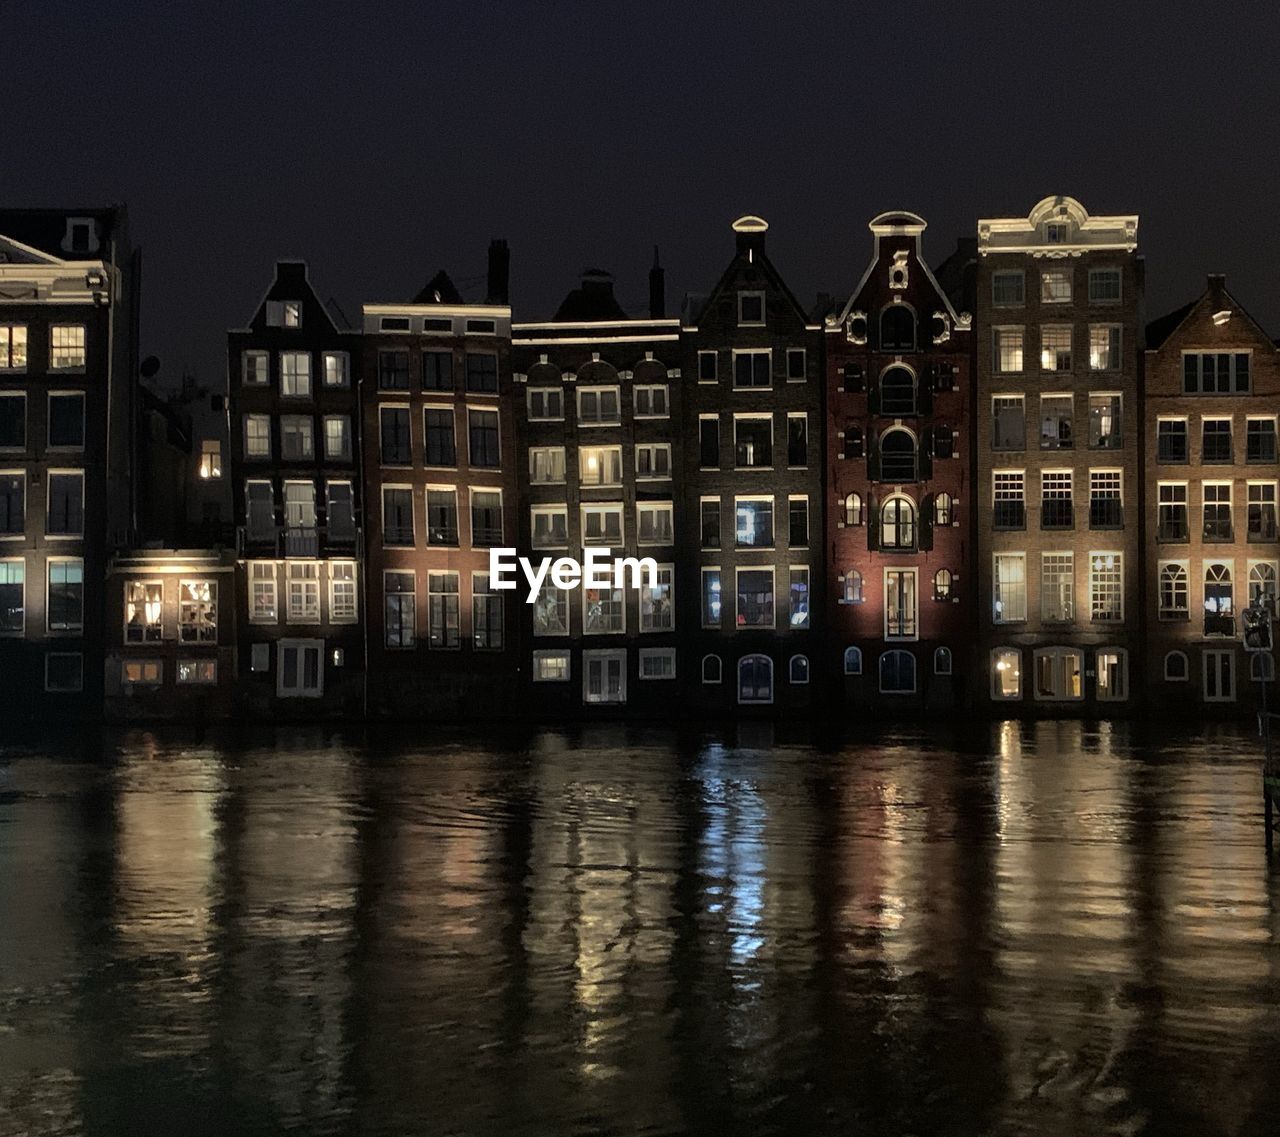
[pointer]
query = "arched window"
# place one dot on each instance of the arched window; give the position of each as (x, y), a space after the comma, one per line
(799, 669)
(853, 661)
(942, 661)
(897, 392)
(1262, 582)
(853, 587)
(1175, 666)
(897, 673)
(942, 584)
(755, 679)
(942, 508)
(897, 456)
(853, 509)
(853, 441)
(898, 524)
(943, 442)
(897, 328)
(1173, 592)
(1006, 673)
(1219, 607)
(712, 669)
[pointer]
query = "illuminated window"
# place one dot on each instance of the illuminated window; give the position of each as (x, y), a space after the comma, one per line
(13, 347)
(197, 671)
(257, 436)
(943, 509)
(550, 666)
(753, 522)
(211, 458)
(198, 611)
(284, 313)
(1105, 422)
(657, 603)
(1009, 588)
(711, 598)
(337, 437)
(143, 609)
(1112, 667)
(755, 598)
(546, 465)
(1262, 583)
(1058, 673)
(853, 509)
(141, 672)
(66, 347)
(13, 579)
(852, 587)
(1106, 587)
(600, 465)
(900, 604)
(1055, 347)
(302, 592)
(254, 368)
(1006, 673)
(1219, 600)
(898, 524)
(551, 612)
(603, 611)
(1007, 344)
(337, 368)
(799, 596)
(942, 584)
(262, 592)
(1055, 287)
(295, 375)
(1057, 587)
(342, 592)
(1104, 347)
(400, 609)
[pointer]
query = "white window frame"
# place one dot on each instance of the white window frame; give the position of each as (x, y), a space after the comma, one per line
(354, 616)
(597, 390)
(544, 392)
(753, 294)
(252, 570)
(657, 508)
(604, 658)
(604, 508)
(647, 654)
(549, 510)
(648, 389)
(300, 646)
(549, 655)
(998, 655)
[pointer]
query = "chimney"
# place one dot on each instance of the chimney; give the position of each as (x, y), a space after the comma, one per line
(499, 291)
(1217, 281)
(657, 289)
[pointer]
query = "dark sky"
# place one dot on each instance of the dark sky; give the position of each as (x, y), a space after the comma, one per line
(380, 147)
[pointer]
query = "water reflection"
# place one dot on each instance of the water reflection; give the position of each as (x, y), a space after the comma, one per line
(1032, 928)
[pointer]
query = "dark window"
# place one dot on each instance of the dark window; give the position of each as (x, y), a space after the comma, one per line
(440, 447)
(898, 672)
(486, 517)
(1217, 440)
(853, 441)
(853, 380)
(13, 420)
(66, 504)
(797, 440)
(796, 363)
(751, 369)
(897, 329)
(66, 421)
(396, 449)
(897, 457)
(482, 327)
(13, 495)
(798, 527)
(709, 443)
(707, 366)
(1260, 440)
(393, 370)
(482, 372)
(942, 442)
(442, 517)
(710, 521)
(483, 431)
(437, 371)
(437, 324)
(897, 392)
(397, 516)
(753, 442)
(1171, 440)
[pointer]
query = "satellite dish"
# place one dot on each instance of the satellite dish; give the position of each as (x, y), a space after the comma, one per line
(149, 367)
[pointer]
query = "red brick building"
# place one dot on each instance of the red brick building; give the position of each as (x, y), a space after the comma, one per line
(899, 505)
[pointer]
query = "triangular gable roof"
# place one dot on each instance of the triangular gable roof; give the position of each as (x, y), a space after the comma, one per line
(16, 252)
(756, 256)
(1162, 329)
(291, 282)
(439, 290)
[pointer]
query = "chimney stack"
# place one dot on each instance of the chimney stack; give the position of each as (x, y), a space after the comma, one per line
(750, 231)
(657, 289)
(499, 291)
(1217, 281)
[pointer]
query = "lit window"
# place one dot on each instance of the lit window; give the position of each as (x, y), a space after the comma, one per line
(141, 672)
(262, 592)
(1006, 673)
(551, 612)
(198, 671)
(898, 524)
(852, 592)
(1058, 673)
(337, 437)
(13, 347)
(1055, 347)
(211, 458)
(799, 596)
(1057, 587)
(198, 611)
(337, 368)
(66, 347)
(1104, 347)
(550, 666)
(546, 465)
(257, 436)
(755, 598)
(1112, 666)
(254, 368)
(900, 604)
(600, 465)
(1007, 346)
(1106, 587)
(143, 608)
(1174, 593)
(342, 592)
(295, 374)
(753, 528)
(657, 603)
(1219, 600)
(603, 611)
(13, 576)
(302, 592)
(942, 584)
(711, 598)
(1009, 588)
(1055, 287)
(853, 509)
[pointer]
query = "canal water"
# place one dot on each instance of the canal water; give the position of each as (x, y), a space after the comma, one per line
(1050, 929)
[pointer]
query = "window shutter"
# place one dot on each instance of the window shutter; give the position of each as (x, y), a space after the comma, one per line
(873, 461)
(873, 399)
(924, 399)
(873, 522)
(926, 522)
(853, 382)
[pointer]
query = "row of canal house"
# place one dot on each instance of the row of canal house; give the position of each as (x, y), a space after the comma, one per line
(985, 482)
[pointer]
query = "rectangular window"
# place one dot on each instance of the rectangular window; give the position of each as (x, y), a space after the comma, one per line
(198, 611)
(798, 522)
(257, 436)
(300, 673)
(337, 438)
(201, 671)
(1008, 423)
(13, 579)
(340, 511)
(600, 465)
(1055, 347)
(442, 516)
(1171, 516)
(657, 604)
(397, 515)
(13, 347)
(1057, 588)
(709, 522)
(599, 406)
(342, 592)
(66, 347)
(438, 438)
(1106, 587)
(393, 430)
(482, 429)
(284, 313)
(1055, 287)
(486, 517)
(13, 421)
(750, 309)
(443, 627)
(799, 596)
(66, 422)
(798, 439)
(260, 511)
(295, 374)
(653, 461)
(604, 678)
(658, 663)
(1057, 422)
(482, 327)
(1215, 373)
(262, 592)
(1056, 509)
(1009, 503)
(299, 505)
(1007, 349)
(755, 598)
(1217, 511)
(753, 441)
(302, 592)
(400, 603)
(546, 465)
(1058, 673)
(551, 612)
(1219, 675)
(482, 372)
(752, 370)
(603, 611)
(486, 614)
(143, 611)
(1105, 425)
(550, 666)
(1106, 505)
(707, 371)
(797, 365)
(65, 517)
(550, 526)
(1007, 289)
(141, 672)
(1104, 286)
(437, 371)
(900, 604)
(211, 459)
(393, 370)
(337, 368)
(296, 440)
(709, 442)
(1215, 440)
(1009, 588)
(655, 523)
(1261, 518)
(1173, 602)
(66, 595)
(1171, 440)
(711, 597)
(1260, 440)
(652, 401)
(13, 503)
(254, 369)
(753, 522)
(602, 524)
(1104, 347)
(546, 404)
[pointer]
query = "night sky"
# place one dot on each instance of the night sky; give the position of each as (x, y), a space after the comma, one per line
(381, 147)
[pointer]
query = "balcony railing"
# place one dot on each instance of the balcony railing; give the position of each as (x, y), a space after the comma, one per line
(298, 541)
(1056, 513)
(1106, 513)
(1009, 515)
(1172, 529)
(302, 541)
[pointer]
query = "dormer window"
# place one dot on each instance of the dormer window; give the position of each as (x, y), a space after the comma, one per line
(750, 309)
(81, 235)
(1055, 233)
(394, 324)
(284, 313)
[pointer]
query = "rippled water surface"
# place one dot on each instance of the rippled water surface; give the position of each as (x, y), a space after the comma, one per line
(1052, 929)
